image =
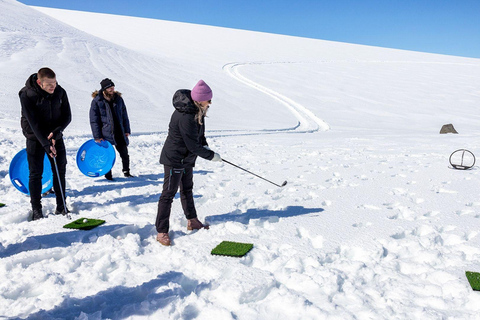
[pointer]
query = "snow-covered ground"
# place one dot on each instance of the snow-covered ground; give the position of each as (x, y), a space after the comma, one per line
(373, 224)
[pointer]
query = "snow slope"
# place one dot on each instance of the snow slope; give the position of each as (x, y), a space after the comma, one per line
(373, 224)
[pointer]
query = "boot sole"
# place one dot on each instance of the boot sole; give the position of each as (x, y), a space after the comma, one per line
(204, 227)
(164, 244)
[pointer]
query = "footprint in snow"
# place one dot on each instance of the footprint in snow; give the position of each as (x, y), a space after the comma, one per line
(362, 225)
(315, 240)
(465, 212)
(473, 204)
(368, 207)
(404, 214)
(399, 235)
(431, 214)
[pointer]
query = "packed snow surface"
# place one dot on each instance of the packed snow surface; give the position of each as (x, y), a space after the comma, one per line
(373, 223)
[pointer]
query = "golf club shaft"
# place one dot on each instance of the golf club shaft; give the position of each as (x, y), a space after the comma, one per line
(256, 175)
(60, 185)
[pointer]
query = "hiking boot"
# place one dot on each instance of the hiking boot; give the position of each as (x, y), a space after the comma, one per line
(127, 174)
(37, 214)
(195, 224)
(61, 211)
(164, 239)
(108, 175)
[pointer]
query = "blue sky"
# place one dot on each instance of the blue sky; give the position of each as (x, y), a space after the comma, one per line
(439, 26)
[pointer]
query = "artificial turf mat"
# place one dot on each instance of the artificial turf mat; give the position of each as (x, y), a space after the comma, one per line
(84, 225)
(232, 249)
(473, 279)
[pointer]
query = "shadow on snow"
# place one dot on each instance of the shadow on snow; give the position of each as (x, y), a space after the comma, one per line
(270, 215)
(126, 183)
(103, 185)
(123, 302)
(65, 239)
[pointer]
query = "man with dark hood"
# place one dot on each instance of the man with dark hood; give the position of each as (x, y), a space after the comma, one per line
(45, 115)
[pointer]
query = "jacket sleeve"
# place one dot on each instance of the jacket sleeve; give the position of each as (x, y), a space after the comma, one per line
(188, 130)
(126, 121)
(65, 119)
(28, 113)
(203, 140)
(95, 120)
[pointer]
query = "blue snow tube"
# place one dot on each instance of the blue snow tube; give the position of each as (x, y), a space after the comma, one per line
(19, 173)
(95, 159)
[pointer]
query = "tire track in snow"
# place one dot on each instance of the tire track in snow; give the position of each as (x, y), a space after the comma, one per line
(307, 121)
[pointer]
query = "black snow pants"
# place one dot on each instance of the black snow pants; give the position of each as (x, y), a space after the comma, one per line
(123, 151)
(35, 156)
(173, 179)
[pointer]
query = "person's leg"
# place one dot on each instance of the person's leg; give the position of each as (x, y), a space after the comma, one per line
(35, 156)
(61, 159)
(123, 151)
(171, 182)
(186, 194)
(108, 175)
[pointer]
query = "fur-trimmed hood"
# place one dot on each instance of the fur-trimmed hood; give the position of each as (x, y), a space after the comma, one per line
(96, 93)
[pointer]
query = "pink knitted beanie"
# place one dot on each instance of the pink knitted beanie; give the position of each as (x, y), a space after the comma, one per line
(201, 92)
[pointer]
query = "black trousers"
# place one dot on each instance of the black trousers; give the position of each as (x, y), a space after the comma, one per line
(35, 156)
(173, 179)
(122, 149)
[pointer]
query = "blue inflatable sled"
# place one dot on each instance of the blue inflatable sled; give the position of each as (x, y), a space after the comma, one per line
(19, 173)
(95, 159)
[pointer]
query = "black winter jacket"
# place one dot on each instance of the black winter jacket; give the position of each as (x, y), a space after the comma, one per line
(43, 113)
(101, 118)
(186, 137)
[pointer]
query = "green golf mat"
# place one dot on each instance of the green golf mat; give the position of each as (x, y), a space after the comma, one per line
(473, 279)
(232, 249)
(84, 225)
(2, 205)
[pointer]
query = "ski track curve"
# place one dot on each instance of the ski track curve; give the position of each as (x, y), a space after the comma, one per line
(307, 120)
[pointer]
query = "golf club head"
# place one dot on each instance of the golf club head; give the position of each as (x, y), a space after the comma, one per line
(284, 183)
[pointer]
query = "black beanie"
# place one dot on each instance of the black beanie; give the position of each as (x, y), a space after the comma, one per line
(106, 83)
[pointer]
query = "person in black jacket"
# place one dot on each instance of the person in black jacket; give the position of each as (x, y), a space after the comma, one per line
(109, 121)
(45, 114)
(185, 141)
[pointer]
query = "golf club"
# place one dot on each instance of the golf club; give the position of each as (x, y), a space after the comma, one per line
(256, 175)
(65, 213)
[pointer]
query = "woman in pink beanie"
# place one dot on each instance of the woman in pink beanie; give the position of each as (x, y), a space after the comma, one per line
(185, 141)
